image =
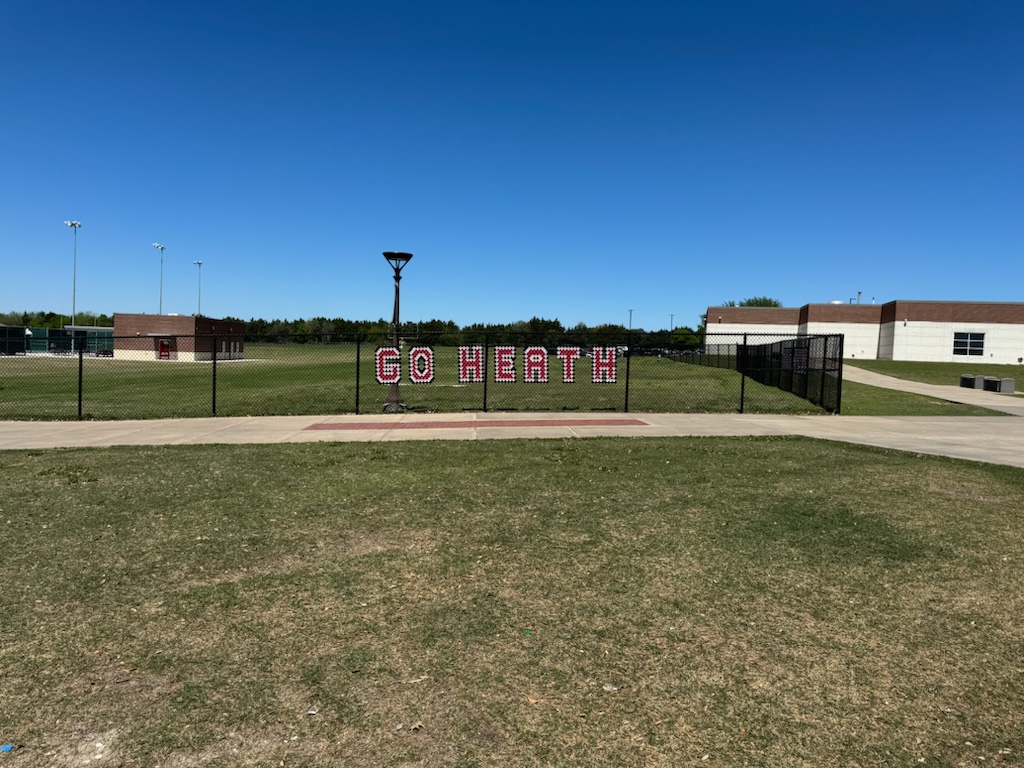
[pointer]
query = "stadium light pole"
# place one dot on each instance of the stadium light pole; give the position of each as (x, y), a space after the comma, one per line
(75, 225)
(199, 302)
(161, 249)
(397, 260)
(631, 319)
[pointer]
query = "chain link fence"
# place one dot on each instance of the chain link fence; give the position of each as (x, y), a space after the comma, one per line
(195, 376)
(810, 367)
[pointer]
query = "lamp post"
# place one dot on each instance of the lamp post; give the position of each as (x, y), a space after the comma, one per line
(397, 260)
(199, 304)
(75, 225)
(631, 319)
(161, 249)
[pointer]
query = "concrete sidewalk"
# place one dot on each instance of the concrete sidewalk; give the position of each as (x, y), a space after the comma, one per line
(995, 439)
(992, 439)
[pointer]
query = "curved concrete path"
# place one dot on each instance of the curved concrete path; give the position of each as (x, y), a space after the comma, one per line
(993, 439)
(1011, 404)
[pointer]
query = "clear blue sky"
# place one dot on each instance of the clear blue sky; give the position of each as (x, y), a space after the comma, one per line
(566, 160)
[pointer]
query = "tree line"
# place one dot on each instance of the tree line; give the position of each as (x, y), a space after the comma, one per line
(540, 330)
(53, 319)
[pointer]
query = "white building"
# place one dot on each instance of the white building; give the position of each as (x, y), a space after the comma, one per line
(935, 331)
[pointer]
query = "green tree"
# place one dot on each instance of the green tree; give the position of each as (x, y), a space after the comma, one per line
(685, 337)
(760, 301)
(608, 335)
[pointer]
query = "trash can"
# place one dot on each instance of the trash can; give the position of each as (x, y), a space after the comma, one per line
(1006, 386)
(967, 380)
(991, 384)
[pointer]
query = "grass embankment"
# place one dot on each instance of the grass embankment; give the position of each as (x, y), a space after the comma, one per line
(863, 400)
(659, 602)
(947, 374)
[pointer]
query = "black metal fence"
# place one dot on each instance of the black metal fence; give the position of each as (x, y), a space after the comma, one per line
(14, 339)
(810, 367)
(20, 340)
(178, 377)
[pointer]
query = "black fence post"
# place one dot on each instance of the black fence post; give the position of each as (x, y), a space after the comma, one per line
(629, 356)
(214, 384)
(824, 370)
(839, 374)
(741, 365)
(487, 353)
(81, 370)
(358, 346)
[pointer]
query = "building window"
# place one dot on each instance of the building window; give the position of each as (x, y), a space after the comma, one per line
(969, 344)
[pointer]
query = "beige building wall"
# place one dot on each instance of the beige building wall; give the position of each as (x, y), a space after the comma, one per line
(860, 340)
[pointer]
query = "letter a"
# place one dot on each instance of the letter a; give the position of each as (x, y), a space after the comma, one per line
(535, 365)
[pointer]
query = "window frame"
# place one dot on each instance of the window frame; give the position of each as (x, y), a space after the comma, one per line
(968, 344)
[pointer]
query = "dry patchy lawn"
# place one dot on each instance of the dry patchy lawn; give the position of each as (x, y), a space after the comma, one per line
(763, 602)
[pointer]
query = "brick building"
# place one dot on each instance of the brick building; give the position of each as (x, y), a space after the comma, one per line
(935, 331)
(177, 337)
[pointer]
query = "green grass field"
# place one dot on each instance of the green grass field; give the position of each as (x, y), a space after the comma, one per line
(278, 379)
(614, 602)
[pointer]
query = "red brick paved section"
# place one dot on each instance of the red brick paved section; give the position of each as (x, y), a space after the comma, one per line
(479, 424)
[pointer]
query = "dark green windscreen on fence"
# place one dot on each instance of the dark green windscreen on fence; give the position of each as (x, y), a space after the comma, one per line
(810, 367)
(14, 339)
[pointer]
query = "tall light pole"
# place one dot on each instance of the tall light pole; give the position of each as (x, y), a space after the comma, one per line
(631, 319)
(199, 306)
(671, 323)
(75, 225)
(397, 260)
(161, 249)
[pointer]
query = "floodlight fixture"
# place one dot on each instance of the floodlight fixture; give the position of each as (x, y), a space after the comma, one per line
(161, 249)
(397, 259)
(199, 303)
